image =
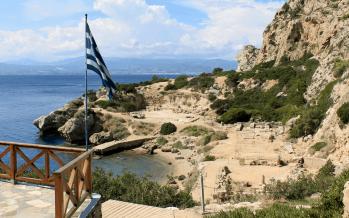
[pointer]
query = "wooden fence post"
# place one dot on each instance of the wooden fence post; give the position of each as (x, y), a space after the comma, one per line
(13, 163)
(59, 213)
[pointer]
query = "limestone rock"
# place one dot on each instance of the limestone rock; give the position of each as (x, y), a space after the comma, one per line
(246, 58)
(100, 137)
(51, 122)
(73, 129)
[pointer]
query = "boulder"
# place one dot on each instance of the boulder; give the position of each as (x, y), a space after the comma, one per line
(100, 137)
(247, 58)
(74, 129)
(166, 148)
(51, 122)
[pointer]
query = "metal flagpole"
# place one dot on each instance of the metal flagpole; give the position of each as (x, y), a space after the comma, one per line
(86, 129)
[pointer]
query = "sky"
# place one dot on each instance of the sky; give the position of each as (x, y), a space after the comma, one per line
(50, 30)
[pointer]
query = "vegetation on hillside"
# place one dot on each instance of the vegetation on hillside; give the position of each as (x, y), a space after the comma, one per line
(330, 203)
(131, 188)
(343, 113)
(279, 103)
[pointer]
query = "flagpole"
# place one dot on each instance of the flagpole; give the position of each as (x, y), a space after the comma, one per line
(86, 129)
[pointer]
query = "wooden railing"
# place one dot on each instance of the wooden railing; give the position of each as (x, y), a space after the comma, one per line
(73, 184)
(72, 181)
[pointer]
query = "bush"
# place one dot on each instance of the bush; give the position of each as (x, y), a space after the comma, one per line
(234, 115)
(179, 145)
(312, 118)
(293, 79)
(303, 186)
(343, 113)
(140, 190)
(340, 66)
(212, 97)
(202, 82)
(168, 128)
(196, 130)
(170, 86)
(209, 158)
(318, 146)
(161, 141)
(181, 82)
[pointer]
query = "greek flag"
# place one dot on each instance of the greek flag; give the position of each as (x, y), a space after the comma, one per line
(96, 63)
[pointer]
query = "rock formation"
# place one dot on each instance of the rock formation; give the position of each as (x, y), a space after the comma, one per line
(247, 58)
(321, 28)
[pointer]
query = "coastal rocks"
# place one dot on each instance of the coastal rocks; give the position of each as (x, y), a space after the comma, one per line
(73, 129)
(246, 58)
(51, 122)
(54, 120)
(100, 137)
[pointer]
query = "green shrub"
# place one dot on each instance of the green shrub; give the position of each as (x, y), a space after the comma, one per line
(140, 190)
(332, 197)
(212, 97)
(293, 79)
(318, 146)
(117, 128)
(209, 158)
(161, 141)
(340, 66)
(181, 82)
(343, 113)
(291, 189)
(170, 86)
(204, 140)
(234, 115)
(303, 186)
(218, 135)
(167, 128)
(105, 104)
(217, 70)
(196, 130)
(232, 80)
(202, 82)
(179, 145)
(312, 118)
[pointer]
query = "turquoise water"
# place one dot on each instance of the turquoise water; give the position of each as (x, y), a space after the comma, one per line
(25, 98)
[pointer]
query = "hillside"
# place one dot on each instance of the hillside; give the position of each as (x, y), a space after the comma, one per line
(272, 135)
(319, 28)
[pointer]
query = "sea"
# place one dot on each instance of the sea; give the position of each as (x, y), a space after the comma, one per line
(24, 98)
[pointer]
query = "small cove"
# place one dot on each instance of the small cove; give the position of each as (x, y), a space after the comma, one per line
(25, 98)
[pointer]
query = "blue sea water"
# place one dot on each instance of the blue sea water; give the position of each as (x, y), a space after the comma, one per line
(24, 98)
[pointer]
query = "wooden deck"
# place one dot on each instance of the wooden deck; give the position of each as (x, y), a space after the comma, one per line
(120, 209)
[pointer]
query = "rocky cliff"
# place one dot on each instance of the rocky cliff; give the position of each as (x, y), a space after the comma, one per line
(319, 27)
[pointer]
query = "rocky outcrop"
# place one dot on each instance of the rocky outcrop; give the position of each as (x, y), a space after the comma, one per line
(73, 129)
(247, 58)
(51, 122)
(101, 137)
(301, 27)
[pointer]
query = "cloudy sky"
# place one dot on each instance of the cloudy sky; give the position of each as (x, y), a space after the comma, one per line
(48, 30)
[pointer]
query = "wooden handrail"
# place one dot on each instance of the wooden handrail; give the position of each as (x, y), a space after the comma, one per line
(73, 184)
(72, 181)
(38, 146)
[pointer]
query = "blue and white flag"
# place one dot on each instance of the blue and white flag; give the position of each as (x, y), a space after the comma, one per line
(96, 63)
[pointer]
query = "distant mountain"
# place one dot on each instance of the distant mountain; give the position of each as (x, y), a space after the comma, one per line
(117, 66)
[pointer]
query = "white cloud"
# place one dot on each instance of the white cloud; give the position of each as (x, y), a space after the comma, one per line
(135, 28)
